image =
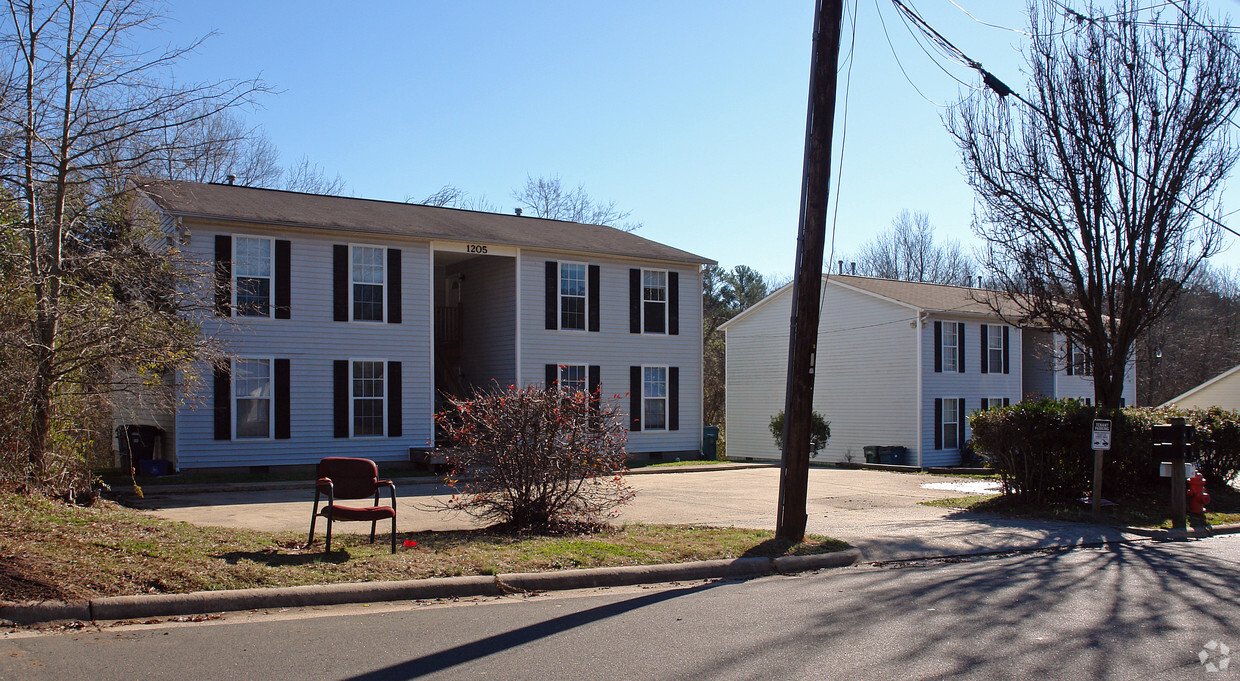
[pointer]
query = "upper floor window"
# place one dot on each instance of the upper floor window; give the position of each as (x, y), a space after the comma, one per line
(252, 398)
(951, 347)
(994, 349)
(367, 398)
(252, 276)
(1079, 363)
(573, 296)
(367, 278)
(654, 301)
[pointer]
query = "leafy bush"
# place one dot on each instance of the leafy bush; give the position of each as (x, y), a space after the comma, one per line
(819, 431)
(1041, 449)
(536, 459)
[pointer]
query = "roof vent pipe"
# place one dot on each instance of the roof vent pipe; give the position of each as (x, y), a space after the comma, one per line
(232, 179)
(852, 268)
(841, 266)
(517, 212)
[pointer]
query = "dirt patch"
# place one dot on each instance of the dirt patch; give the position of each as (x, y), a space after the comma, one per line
(20, 581)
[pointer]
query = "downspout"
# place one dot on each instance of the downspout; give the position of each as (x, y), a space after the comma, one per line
(517, 321)
(917, 401)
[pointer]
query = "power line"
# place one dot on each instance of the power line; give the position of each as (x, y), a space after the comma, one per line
(900, 64)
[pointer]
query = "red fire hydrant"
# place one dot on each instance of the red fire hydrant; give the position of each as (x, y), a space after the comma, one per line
(1198, 497)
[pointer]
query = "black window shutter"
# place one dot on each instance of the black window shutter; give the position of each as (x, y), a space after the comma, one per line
(552, 294)
(223, 402)
(552, 374)
(960, 347)
(985, 350)
(673, 303)
(960, 423)
(340, 398)
(938, 423)
(1005, 349)
(635, 399)
(938, 347)
(340, 286)
(393, 286)
(673, 398)
(1071, 358)
(282, 405)
(1006, 403)
(223, 275)
(284, 292)
(985, 403)
(635, 300)
(594, 383)
(593, 284)
(395, 423)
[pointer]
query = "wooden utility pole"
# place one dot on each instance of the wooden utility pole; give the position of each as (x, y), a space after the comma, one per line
(807, 281)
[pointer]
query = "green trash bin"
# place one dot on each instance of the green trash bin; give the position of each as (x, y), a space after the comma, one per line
(871, 453)
(710, 443)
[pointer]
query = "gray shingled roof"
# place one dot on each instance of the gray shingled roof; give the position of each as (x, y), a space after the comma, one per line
(293, 209)
(935, 297)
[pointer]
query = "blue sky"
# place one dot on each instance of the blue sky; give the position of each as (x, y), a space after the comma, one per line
(691, 114)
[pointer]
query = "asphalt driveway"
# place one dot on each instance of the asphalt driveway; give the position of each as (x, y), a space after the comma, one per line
(877, 511)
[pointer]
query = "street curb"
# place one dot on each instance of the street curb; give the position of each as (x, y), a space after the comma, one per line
(1183, 534)
(202, 602)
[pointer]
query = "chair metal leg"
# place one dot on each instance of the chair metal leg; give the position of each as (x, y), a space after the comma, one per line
(328, 547)
(314, 515)
(393, 533)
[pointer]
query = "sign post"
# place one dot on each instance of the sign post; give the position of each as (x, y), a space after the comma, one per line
(1101, 443)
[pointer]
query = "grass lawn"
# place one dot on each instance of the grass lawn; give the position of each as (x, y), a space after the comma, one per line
(1149, 512)
(51, 550)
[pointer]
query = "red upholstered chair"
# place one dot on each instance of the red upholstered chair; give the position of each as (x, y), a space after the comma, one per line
(346, 478)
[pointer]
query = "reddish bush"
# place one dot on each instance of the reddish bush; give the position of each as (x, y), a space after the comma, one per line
(536, 459)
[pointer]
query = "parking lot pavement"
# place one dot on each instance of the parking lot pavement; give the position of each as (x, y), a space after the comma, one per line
(877, 511)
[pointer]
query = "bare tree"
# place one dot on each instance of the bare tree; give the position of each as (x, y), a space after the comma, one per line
(450, 196)
(549, 198)
(212, 146)
(305, 176)
(1095, 190)
(80, 112)
(908, 251)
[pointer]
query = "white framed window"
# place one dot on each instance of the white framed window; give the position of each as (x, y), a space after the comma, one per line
(252, 397)
(367, 398)
(654, 398)
(366, 278)
(573, 378)
(951, 347)
(1079, 361)
(994, 348)
(951, 423)
(993, 403)
(573, 296)
(252, 276)
(654, 301)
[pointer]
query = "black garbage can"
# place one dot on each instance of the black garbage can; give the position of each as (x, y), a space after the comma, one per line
(871, 453)
(710, 443)
(138, 443)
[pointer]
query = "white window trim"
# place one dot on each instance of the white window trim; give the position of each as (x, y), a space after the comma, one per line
(271, 378)
(271, 288)
(993, 332)
(383, 297)
(666, 397)
(955, 429)
(585, 375)
(666, 302)
(994, 402)
(352, 398)
(559, 297)
(955, 330)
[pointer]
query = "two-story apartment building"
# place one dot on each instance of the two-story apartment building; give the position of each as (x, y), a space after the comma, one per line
(348, 320)
(898, 364)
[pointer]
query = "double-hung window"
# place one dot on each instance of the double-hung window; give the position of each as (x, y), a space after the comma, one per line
(1079, 363)
(573, 296)
(252, 276)
(654, 301)
(654, 398)
(252, 398)
(573, 378)
(367, 283)
(992, 402)
(367, 398)
(951, 424)
(994, 349)
(951, 347)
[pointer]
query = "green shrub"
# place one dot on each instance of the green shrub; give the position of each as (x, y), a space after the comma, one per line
(819, 431)
(1041, 449)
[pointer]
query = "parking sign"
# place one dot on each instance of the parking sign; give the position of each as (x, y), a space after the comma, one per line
(1102, 434)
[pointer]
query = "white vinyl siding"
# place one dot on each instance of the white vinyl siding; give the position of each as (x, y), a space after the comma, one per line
(311, 340)
(252, 276)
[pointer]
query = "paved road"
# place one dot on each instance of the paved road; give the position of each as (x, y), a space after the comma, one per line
(877, 511)
(1132, 611)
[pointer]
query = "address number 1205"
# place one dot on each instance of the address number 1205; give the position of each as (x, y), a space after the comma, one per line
(475, 248)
